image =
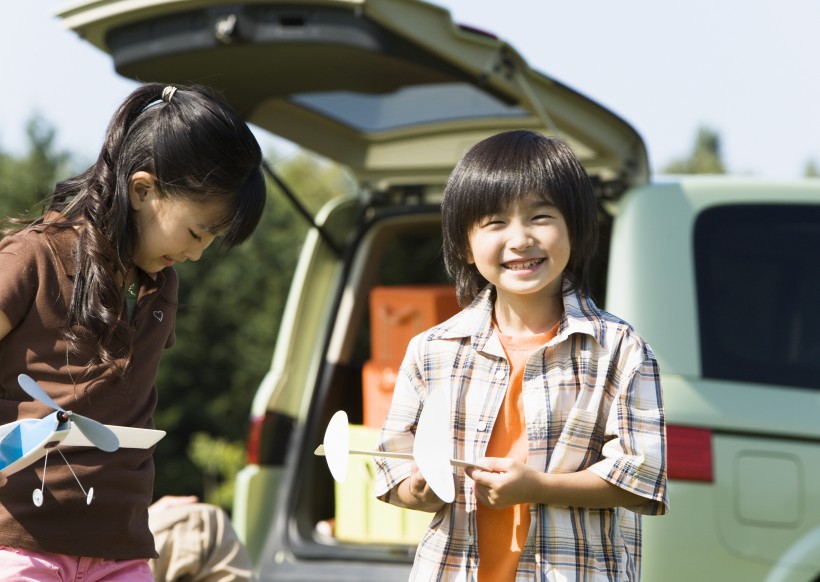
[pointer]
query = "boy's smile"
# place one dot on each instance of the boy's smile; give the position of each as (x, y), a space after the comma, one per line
(522, 250)
(523, 265)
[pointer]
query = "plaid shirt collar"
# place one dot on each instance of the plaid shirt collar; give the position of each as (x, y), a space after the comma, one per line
(581, 316)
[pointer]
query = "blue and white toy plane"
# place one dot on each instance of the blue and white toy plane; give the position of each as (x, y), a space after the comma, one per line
(26, 441)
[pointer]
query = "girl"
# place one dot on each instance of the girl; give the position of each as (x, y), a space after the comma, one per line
(88, 300)
(561, 400)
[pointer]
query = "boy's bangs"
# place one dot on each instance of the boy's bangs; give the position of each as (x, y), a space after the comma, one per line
(506, 188)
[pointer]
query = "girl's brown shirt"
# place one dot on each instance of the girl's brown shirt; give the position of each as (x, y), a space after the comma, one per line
(36, 281)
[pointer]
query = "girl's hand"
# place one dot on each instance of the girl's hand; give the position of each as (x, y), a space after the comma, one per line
(416, 493)
(508, 483)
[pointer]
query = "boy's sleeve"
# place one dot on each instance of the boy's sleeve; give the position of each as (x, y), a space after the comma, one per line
(634, 453)
(398, 432)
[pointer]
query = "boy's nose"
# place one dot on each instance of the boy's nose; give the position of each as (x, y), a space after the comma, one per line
(520, 237)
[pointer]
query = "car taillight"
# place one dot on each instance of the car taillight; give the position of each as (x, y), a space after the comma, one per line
(689, 453)
(254, 444)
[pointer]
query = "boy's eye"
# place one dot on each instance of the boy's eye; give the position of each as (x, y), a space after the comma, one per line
(195, 236)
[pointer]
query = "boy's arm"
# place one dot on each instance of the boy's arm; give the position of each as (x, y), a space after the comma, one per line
(512, 482)
(415, 493)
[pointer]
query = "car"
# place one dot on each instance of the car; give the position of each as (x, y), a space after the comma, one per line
(719, 274)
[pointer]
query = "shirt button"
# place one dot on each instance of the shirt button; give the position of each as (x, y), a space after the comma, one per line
(500, 375)
(482, 426)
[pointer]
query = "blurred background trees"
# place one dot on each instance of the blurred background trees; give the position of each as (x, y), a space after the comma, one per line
(705, 157)
(26, 181)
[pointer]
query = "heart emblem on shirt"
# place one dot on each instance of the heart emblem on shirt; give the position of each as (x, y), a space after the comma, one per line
(158, 315)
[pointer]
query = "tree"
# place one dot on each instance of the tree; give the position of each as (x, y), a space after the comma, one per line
(704, 159)
(26, 182)
(811, 170)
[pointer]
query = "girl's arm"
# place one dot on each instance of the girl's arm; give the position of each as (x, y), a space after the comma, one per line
(512, 482)
(5, 325)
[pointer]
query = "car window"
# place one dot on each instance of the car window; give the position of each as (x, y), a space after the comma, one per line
(408, 106)
(758, 281)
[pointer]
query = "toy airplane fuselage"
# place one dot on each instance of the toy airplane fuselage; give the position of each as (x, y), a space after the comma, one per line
(26, 441)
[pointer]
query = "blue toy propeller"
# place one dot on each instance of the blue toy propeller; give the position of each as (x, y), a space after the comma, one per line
(100, 435)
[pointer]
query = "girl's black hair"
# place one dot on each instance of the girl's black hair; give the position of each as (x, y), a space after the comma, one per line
(501, 170)
(199, 150)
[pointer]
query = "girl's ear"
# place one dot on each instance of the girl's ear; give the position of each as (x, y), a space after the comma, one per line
(140, 188)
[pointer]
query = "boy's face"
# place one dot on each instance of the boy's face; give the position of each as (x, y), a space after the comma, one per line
(170, 230)
(523, 249)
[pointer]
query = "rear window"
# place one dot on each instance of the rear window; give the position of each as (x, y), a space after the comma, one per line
(408, 106)
(758, 284)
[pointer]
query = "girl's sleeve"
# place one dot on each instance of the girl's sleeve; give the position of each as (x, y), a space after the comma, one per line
(634, 453)
(18, 287)
(18, 279)
(398, 432)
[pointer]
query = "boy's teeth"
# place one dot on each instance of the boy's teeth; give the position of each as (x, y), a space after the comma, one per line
(519, 266)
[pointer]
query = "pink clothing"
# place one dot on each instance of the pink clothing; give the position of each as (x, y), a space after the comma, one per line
(31, 566)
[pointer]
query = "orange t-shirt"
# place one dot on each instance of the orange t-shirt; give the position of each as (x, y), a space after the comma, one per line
(502, 532)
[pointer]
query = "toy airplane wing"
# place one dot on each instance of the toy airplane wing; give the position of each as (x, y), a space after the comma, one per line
(129, 437)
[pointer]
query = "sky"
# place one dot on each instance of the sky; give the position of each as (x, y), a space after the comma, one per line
(746, 69)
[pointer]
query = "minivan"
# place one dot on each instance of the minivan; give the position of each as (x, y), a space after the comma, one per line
(720, 274)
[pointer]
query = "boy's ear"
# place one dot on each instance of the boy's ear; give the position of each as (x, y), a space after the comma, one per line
(140, 188)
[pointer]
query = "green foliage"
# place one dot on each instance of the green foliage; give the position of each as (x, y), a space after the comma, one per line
(704, 159)
(811, 170)
(27, 181)
(219, 460)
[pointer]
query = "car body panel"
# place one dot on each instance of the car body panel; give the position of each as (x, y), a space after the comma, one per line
(765, 438)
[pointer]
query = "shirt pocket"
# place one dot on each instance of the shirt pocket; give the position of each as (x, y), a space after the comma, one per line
(575, 448)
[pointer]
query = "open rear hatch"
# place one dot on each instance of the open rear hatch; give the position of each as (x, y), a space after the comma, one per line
(390, 88)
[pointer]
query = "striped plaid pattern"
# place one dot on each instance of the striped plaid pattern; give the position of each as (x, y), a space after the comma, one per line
(592, 399)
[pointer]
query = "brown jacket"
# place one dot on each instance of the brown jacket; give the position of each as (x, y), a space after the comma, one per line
(36, 277)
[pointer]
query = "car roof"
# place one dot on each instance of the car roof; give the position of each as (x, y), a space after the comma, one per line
(391, 88)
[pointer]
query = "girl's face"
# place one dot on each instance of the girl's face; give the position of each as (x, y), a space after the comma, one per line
(522, 250)
(170, 230)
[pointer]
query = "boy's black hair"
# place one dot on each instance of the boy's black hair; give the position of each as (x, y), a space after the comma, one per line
(501, 170)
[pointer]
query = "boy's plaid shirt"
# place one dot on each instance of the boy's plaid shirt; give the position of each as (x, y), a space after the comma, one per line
(592, 399)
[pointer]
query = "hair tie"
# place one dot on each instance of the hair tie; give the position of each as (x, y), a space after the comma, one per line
(168, 93)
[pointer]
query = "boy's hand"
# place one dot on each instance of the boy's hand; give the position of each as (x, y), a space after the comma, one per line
(415, 493)
(508, 482)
